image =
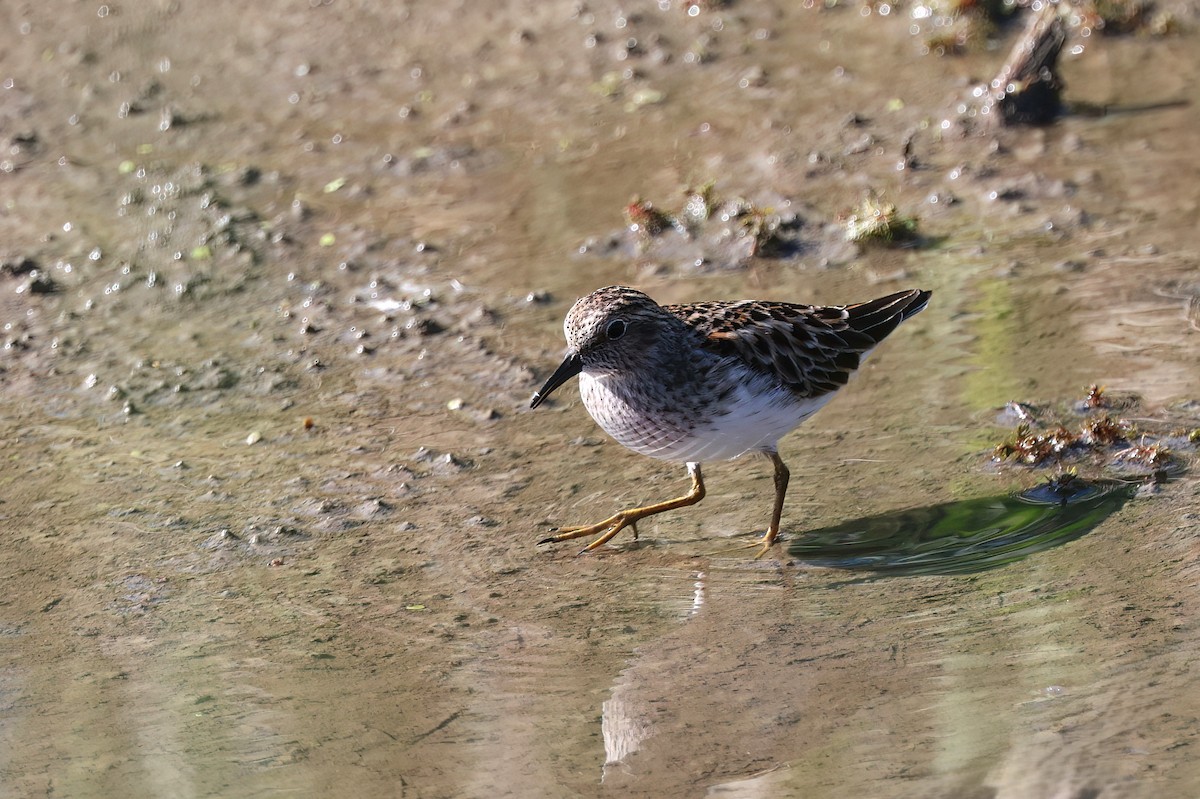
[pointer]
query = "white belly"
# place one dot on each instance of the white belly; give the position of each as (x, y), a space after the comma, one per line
(751, 418)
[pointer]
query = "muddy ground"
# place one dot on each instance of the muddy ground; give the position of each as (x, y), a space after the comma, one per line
(280, 278)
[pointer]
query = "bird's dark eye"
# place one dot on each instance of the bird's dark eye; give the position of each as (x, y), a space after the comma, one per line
(615, 329)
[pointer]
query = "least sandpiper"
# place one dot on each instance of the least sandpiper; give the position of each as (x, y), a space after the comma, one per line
(711, 380)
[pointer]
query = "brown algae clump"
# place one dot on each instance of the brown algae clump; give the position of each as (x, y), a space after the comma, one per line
(1102, 431)
(1095, 397)
(1032, 447)
(1105, 440)
(646, 220)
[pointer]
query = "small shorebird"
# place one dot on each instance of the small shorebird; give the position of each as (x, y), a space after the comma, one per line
(711, 380)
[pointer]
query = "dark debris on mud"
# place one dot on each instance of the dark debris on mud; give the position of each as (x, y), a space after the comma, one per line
(1099, 435)
(710, 233)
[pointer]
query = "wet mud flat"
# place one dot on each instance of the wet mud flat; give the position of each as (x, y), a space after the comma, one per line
(274, 297)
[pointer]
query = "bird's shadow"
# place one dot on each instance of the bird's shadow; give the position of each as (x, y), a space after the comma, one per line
(963, 537)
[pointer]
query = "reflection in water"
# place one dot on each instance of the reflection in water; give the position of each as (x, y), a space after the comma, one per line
(623, 723)
(967, 536)
(697, 595)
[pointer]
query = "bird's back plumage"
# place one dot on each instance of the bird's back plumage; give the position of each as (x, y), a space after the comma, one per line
(811, 349)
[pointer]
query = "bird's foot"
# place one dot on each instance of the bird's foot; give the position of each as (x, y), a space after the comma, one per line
(629, 518)
(606, 529)
(763, 545)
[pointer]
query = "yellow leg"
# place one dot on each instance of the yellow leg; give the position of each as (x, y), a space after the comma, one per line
(629, 518)
(782, 475)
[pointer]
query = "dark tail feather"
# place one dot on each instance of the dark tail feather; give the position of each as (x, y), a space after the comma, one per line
(877, 318)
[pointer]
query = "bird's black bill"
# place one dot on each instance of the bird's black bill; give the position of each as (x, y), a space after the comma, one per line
(572, 366)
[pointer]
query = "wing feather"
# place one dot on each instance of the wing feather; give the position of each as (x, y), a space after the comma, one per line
(811, 349)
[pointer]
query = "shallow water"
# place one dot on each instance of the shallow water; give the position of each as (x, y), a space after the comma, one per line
(272, 486)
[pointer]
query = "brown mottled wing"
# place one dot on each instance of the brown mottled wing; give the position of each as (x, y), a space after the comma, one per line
(813, 350)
